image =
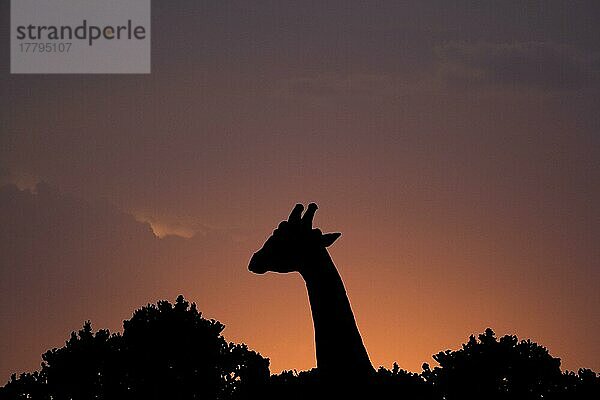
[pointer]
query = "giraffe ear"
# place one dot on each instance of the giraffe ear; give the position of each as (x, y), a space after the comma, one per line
(327, 239)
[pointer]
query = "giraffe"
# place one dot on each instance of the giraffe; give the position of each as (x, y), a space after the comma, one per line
(296, 247)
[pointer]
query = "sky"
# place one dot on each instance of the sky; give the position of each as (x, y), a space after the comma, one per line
(456, 146)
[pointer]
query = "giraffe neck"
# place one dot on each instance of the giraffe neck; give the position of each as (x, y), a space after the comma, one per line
(338, 343)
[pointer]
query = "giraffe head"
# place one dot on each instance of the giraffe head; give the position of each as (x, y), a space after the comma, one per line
(291, 244)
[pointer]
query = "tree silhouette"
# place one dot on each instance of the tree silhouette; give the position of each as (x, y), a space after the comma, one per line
(384, 384)
(88, 366)
(168, 351)
(165, 352)
(489, 368)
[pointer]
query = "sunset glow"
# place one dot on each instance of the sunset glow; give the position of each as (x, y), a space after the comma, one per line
(455, 148)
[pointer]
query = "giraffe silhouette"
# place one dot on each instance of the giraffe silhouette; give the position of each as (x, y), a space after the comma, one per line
(296, 247)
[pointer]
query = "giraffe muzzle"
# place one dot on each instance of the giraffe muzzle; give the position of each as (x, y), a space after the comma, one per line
(256, 265)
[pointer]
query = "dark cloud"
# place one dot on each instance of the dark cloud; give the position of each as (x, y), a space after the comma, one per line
(65, 260)
(4, 174)
(336, 87)
(461, 65)
(546, 66)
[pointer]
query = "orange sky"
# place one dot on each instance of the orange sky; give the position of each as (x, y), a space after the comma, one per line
(455, 148)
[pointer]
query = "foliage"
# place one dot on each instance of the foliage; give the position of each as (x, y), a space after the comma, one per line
(166, 351)
(506, 369)
(170, 352)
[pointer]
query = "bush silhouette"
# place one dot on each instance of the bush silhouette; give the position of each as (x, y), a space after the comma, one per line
(165, 352)
(483, 368)
(168, 351)
(489, 368)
